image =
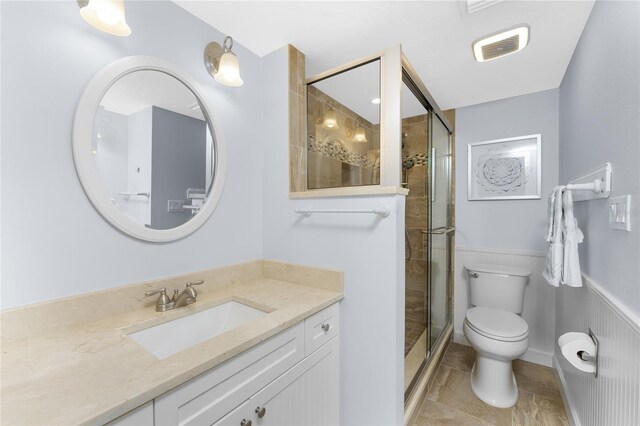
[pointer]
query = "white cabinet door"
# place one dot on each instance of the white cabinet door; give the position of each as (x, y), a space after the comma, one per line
(323, 385)
(207, 398)
(308, 394)
(241, 416)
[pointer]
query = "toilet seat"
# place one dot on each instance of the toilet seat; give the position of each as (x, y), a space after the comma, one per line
(497, 324)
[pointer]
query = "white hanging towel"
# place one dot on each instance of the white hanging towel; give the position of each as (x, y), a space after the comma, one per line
(562, 264)
(553, 262)
(572, 236)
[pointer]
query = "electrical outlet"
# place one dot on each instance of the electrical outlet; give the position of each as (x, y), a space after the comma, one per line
(175, 206)
(619, 211)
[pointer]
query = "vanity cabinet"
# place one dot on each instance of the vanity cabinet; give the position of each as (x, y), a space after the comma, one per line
(291, 378)
(307, 394)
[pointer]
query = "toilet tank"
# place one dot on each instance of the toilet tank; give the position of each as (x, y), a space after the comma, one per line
(496, 286)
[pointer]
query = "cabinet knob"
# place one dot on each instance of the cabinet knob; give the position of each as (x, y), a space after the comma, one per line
(245, 422)
(326, 327)
(261, 411)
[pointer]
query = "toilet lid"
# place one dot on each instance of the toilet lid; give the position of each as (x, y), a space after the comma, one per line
(497, 324)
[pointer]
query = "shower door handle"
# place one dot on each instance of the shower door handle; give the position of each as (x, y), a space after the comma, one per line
(433, 175)
(440, 231)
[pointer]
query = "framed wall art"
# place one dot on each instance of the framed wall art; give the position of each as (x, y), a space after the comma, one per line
(505, 169)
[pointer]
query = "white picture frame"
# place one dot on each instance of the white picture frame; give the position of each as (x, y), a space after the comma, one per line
(505, 169)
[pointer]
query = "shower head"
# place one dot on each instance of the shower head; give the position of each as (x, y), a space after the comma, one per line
(408, 163)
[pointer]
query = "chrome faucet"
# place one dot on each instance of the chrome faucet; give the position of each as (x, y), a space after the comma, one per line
(187, 297)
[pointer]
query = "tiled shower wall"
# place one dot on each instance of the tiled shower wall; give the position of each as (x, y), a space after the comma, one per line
(297, 139)
(334, 159)
(415, 132)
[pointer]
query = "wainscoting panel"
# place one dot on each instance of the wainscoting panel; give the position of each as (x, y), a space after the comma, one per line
(539, 307)
(614, 397)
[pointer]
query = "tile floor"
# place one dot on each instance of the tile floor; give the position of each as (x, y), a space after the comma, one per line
(450, 400)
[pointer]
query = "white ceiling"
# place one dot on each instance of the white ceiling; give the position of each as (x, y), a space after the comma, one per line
(436, 37)
(142, 89)
(357, 87)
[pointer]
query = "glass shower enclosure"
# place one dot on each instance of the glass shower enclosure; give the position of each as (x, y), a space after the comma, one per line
(427, 174)
(353, 115)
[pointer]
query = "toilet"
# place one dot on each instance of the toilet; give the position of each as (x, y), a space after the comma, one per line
(494, 328)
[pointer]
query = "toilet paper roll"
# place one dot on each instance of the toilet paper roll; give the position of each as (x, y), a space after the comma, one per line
(571, 343)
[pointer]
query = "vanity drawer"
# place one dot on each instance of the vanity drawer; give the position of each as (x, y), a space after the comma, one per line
(210, 396)
(321, 327)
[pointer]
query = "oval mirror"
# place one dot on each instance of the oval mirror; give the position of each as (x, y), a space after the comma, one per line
(147, 151)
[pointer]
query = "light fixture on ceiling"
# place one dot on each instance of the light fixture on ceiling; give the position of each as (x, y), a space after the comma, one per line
(105, 15)
(501, 44)
(222, 63)
(330, 120)
(359, 135)
(375, 101)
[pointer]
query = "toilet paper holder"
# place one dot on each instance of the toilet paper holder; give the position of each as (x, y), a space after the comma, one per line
(591, 358)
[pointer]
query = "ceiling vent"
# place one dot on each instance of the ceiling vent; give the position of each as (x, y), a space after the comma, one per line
(501, 44)
(477, 5)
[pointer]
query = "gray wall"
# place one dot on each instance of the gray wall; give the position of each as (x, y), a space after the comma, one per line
(513, 225)
(60, 245)
(599, 122)
(508, 232)
(178, 163)
(369, 250)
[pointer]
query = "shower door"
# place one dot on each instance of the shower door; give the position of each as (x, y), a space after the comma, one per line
(440, 231)
(427, 174)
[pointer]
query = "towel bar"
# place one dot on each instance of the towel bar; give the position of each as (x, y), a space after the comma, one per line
(593, 184)
(308, 212)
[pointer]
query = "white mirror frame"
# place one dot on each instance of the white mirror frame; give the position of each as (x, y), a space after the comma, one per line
(83, 157)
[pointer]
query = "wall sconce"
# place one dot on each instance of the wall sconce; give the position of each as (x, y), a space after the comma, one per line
(330, 120)
(222, 64)
(359, 135)
(105, 15)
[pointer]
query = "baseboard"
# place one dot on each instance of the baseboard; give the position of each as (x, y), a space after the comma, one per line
(458, 337)
(569, 408)
(538, 357)
(532, 355)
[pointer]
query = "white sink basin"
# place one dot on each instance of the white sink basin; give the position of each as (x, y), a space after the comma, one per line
(171, 337)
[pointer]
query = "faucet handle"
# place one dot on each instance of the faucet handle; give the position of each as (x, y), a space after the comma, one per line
(163, 303)
(192, 291)
(152, 292)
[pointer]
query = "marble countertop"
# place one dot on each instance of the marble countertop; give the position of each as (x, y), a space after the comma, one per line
(88, 371)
